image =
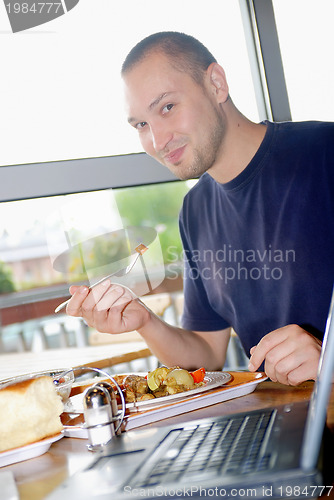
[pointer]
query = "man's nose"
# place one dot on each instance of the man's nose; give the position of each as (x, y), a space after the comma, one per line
(160, 137)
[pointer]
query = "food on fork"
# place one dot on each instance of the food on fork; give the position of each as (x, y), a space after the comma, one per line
(29, 411)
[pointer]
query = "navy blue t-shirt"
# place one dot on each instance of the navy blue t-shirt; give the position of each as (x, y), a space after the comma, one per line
(259, 250)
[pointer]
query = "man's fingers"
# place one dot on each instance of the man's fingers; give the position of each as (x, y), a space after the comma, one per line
(79, 294)
(85, 300)
(267, 344)
(74, 288)
(115, 296)
(290, 355)
(258, 355)
(251, 365)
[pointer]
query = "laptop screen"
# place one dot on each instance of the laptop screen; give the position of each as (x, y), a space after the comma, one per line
(318, 405)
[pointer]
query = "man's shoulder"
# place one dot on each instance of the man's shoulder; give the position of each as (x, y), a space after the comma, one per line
(304, 124)
(203, 185)
(305, 127)
(308, 138)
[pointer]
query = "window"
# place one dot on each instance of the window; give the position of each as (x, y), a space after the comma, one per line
(62, 82)
(33, 233)
(306, 40)
(36, 234)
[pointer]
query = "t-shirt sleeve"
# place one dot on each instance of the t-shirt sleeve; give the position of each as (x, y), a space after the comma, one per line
(197, 314)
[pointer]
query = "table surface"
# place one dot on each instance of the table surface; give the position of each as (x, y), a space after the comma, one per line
(14, 364)
(37, 477)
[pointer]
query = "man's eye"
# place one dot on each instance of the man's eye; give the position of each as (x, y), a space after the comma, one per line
(140, 125)
(167, 108)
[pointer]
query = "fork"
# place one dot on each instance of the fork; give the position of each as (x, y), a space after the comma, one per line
(140, 249)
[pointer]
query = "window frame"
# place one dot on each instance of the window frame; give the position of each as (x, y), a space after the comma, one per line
(90, 174)
(266, 59)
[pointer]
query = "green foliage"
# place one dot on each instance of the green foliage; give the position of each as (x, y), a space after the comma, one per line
(156, 206)
(6, 279)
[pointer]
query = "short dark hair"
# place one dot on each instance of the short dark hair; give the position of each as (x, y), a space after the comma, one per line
(185, 52)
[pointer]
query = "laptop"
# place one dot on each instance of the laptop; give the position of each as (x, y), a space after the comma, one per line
(271, 453)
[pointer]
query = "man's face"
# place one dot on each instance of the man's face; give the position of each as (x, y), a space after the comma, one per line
(178, 121)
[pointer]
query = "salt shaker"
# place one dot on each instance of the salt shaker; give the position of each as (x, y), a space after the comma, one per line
(98, 417)
(114, 406)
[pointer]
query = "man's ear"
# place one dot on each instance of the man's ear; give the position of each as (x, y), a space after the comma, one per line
(217, 82)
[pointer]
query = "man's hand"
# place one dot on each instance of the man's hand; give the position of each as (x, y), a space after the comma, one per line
(291, 355)
(108, 308)
(114, 309)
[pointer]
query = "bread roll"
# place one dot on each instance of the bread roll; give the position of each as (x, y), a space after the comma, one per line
(29, 411)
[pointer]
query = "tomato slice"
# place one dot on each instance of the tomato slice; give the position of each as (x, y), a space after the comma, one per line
(198, 375)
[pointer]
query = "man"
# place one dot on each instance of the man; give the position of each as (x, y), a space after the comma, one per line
(256, 228)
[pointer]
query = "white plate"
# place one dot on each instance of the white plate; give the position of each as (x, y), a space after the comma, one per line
(75, 431)
(29, 451)
(211, 381)
(74, 404)
(62, 388)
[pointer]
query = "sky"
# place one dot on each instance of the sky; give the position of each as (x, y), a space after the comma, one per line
(63, 91)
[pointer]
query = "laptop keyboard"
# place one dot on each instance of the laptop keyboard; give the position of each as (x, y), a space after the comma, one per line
(231, 446)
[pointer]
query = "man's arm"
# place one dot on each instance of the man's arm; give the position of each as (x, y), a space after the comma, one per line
(291, 355)
(186, 348)
(113, 309)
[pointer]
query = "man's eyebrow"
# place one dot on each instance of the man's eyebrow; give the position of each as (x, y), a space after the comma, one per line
(152, 105)
(158, 99)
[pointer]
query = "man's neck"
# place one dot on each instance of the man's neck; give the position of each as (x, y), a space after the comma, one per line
(241, 142)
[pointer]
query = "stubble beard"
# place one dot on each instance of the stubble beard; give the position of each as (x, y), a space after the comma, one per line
(206, 155)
